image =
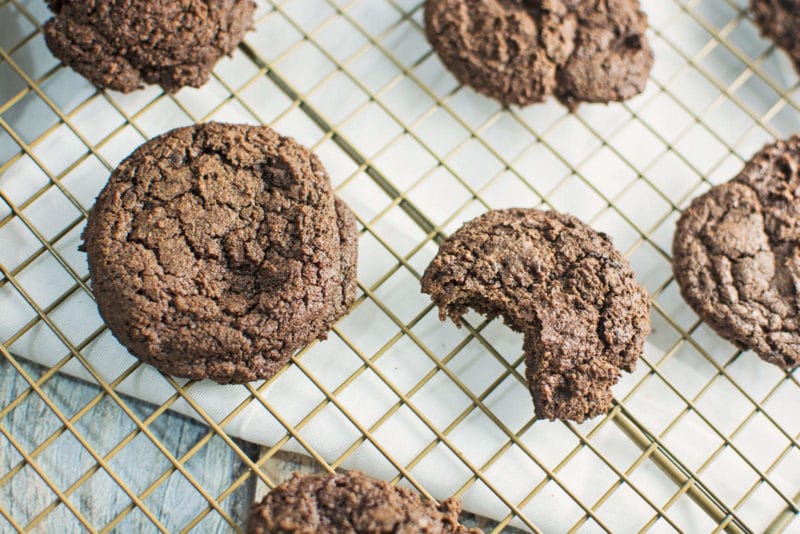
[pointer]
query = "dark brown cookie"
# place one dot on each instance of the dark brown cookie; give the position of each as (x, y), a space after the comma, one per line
(521, 51)
(560, 283)
(779, 21)
(736, 255)
(123, 44)
(353, 503)
(218, 250)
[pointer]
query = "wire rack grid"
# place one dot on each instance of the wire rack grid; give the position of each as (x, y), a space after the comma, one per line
(700, 438)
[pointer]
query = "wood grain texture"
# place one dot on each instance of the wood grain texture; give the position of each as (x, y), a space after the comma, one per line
(99, 499)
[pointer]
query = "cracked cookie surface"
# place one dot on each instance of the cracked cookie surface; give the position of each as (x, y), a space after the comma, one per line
(560, 283)
(779, 20)
(122, 45)
(736, 255)
(522, 51)
(351, 502)
(218, 250)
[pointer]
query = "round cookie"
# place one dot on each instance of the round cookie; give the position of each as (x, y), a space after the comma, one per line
(218, 250)
(563, 285)
(123, 44)
(522, 51)
(778, 20)
(736, 255)
(351, 502)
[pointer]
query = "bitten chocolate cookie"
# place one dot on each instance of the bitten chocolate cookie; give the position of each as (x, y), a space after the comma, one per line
(218, 250)
(521, 51)
(779, 20)
(354, 503)
(736, 255)
(563, 285)
(122, 45)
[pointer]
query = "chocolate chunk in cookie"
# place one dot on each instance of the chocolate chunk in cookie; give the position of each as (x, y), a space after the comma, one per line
(522, 51)
(354, 503)
(779, 21)
(560, 283)
(122, 45)
(736, 255)
(218, 250)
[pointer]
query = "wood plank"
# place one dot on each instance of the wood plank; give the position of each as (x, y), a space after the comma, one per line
(99, 499)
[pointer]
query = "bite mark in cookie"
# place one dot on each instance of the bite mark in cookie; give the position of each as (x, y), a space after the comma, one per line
(560, 283)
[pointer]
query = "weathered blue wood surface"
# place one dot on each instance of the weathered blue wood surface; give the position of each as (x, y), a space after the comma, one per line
(99, 499)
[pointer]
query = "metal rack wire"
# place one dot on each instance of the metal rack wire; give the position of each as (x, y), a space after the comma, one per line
(540, 155)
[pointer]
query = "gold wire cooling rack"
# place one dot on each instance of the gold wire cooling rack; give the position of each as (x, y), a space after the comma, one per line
(700, 438)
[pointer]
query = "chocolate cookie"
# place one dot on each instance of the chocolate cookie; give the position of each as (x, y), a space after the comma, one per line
(121, 45)
(779, 20)
(521, 51)
(218, 250)
(736, 255)
(560, 283)
(351, 503)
